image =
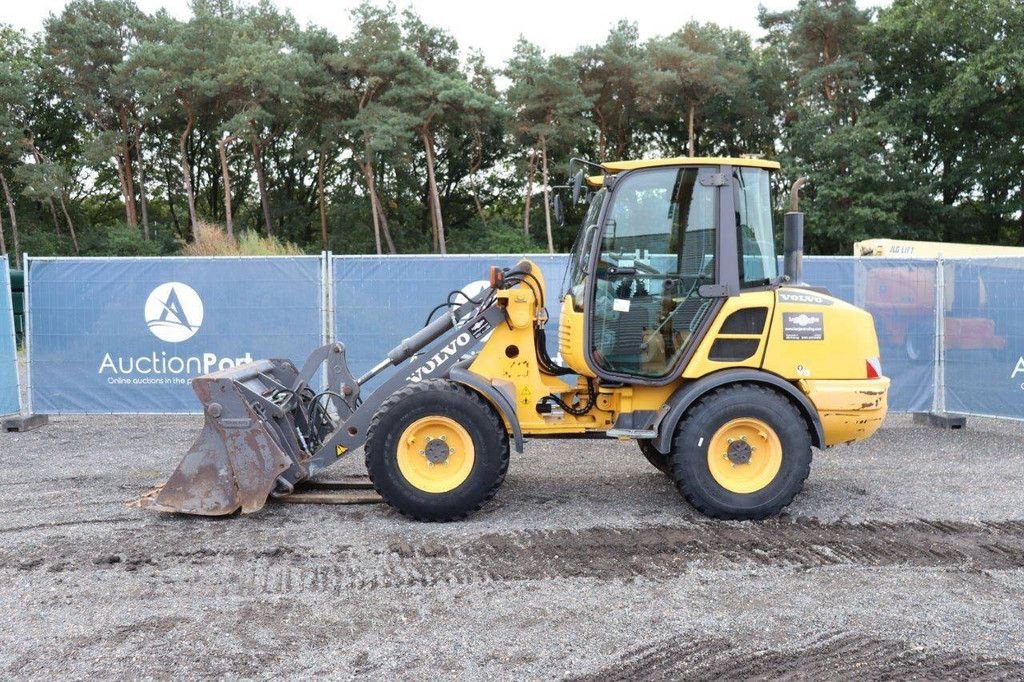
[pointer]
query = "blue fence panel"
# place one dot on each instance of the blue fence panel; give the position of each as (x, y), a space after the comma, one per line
(881, 286)
(835, 273)
(10, 395)
(380, 300)
(984, 337)
(125, 335)
(900, 295)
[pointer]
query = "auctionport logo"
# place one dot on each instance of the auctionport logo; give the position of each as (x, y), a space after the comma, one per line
(174, 312)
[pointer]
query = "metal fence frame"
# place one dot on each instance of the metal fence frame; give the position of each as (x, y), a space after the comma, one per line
(940, 404)
(939, 362)
(6, 283)
(28, 334)
(328, 314)
(27, 260)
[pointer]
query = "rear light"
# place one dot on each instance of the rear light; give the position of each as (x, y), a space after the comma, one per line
(874, 368)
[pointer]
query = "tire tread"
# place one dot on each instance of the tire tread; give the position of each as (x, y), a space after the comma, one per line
(707, 406)
(393, 402)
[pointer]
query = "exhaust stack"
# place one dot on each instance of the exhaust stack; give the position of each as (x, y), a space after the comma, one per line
(793, 236)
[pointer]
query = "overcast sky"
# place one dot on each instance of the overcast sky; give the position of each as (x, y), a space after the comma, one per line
(492, 26)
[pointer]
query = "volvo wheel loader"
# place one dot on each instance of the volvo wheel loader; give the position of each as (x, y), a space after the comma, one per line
(676, 331)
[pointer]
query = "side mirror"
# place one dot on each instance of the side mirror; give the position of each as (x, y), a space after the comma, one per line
(557, 209)
(577, 186)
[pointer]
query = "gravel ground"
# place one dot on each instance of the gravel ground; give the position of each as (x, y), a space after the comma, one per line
(902, 557)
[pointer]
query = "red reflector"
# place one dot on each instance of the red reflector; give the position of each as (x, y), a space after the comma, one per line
(874, 371)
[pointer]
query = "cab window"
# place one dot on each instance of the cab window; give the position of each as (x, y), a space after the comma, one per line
(755, 234)
(657, 249)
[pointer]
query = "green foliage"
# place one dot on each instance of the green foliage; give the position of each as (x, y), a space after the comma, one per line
(493, 237)
(950, 78)
(611, 77)
(545, 98)
(864, 182)
(689, 69)
(121, 240)
(907, 119)
(42, 242)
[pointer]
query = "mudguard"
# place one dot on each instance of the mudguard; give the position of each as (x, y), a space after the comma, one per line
(688, 394)
(495, 397)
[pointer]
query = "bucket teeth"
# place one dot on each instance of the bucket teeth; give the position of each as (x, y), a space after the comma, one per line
(232, 465)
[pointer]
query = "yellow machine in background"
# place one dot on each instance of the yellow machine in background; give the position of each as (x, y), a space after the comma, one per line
(676, 331)
(905, 248)
(903, 298)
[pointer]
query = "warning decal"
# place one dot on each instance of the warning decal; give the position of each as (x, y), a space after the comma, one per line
(480, 328)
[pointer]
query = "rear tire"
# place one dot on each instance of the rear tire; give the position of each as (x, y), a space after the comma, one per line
(742, 452)
(662, 463)
(436, 451)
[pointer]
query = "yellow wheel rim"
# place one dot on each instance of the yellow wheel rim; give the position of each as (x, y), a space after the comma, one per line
(745, 455)
(435, 454)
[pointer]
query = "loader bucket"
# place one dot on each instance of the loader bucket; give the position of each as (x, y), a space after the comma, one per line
(235, 461)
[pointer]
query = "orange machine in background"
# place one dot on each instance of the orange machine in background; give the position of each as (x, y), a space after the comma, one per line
(903, 298)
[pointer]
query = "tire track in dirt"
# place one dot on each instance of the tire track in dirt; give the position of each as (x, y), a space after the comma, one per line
(32, 664)
(35, 482)
(64, 524)
(835, 656)
(652, 552)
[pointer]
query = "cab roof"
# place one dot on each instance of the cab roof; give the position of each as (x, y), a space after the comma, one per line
(612, 167)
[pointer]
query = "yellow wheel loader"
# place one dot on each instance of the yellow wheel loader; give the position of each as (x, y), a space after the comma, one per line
(676, 331)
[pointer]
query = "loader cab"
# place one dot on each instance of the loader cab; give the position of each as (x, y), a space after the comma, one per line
(663, 243)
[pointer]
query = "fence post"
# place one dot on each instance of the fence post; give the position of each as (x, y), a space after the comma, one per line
(25, 259)
(938, 416)
(939, 399)
(327, 303)
(324, 298)
(7, 295)
(26, 420)
(330, 297)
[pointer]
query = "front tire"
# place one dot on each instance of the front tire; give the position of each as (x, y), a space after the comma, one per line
(662, 463)
(742, 452)
(436, 451)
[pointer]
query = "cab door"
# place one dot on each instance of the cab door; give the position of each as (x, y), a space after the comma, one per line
(657, 251)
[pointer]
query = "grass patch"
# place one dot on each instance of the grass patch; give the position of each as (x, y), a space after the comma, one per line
(213, 240)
